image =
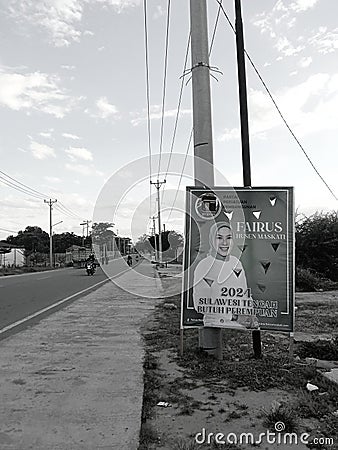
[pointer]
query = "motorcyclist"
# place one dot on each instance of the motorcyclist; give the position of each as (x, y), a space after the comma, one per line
(129, 260)
(91, 258)
(90, 263)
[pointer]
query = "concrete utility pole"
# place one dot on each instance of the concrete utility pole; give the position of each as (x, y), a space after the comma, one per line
(85, 223)
(243, 103)
(210, 338)
(50, 204)
(158, 185)
(154, 231)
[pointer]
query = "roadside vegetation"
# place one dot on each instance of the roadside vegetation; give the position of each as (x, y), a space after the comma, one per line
(317, 252)
(233, 387)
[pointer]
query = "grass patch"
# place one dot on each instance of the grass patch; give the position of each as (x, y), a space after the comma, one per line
(240, 369)
(148, 436)
(316, 317)
(327, 350)
(281, 414)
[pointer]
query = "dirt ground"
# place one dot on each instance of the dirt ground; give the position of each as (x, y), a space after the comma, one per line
(189, 399)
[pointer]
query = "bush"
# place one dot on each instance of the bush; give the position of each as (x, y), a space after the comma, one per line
(317, 244)
(308, 280)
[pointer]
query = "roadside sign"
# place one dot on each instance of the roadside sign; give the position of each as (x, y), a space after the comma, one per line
(239, 258)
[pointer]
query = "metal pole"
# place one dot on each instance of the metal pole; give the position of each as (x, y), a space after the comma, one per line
(155, 246)
(158, 184)
(256, 334)
(50, 204)
(210, 338)
(159, 224)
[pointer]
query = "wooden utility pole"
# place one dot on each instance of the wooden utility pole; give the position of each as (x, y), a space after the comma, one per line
(50, 204)
(256, 334)
(158, 185)
(210, 338)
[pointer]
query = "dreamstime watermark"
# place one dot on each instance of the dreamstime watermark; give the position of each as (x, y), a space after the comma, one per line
(267, 437)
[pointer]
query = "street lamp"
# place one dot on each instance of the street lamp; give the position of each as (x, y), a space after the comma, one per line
(54, 225)
(57, 223)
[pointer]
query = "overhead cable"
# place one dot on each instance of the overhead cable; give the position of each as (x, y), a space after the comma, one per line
(11, 182)
(148, 96)
(276, 106)
(164, 86)
(191, 134)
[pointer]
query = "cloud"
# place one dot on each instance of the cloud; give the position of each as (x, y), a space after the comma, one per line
(58, 17)
(41, 151)
(61, 19)
(282, 18)
(159, 12)
(308, 107)
(83, 170)
(285, 47)
(305, 62)
(156, 114)
(325, 41)
(45, 135)
(71, 136)
(52, 179)
(105, 108)
(67, 67)
(303, 5)
(75, 153)
(37, 91)
(229, 135)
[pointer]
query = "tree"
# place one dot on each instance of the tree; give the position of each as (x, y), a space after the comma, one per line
(317, 244)
(33, 239)
(143, 244)
(65, 240)
(101, 233)
(171, 241)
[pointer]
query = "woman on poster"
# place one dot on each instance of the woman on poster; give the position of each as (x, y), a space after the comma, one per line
(220, 290)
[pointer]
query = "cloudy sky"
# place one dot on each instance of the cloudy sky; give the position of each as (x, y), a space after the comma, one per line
(73, 107)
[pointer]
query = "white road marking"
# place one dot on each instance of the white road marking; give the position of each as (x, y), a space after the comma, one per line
(32, 273)
(19, 322)
(42, 278)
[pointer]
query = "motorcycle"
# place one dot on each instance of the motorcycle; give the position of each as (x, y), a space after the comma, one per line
(90, 268)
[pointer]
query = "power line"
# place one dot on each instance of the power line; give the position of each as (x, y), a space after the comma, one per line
(178, 106)
(276, 106)
(76, 216)
(24, 185)
(25, 189)
(148, 96)
(181, 176)
(18, 188)
(9, 231)
(215, 27)
(191, 134)
(164, 85)
(64, 212)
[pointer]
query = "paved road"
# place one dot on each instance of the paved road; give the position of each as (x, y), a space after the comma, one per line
(23, 295)
(74, 381)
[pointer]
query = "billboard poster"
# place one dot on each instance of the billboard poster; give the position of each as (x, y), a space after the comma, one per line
(239, 258)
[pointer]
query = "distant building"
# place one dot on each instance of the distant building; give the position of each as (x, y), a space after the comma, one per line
(77, 255)
(11, 255)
